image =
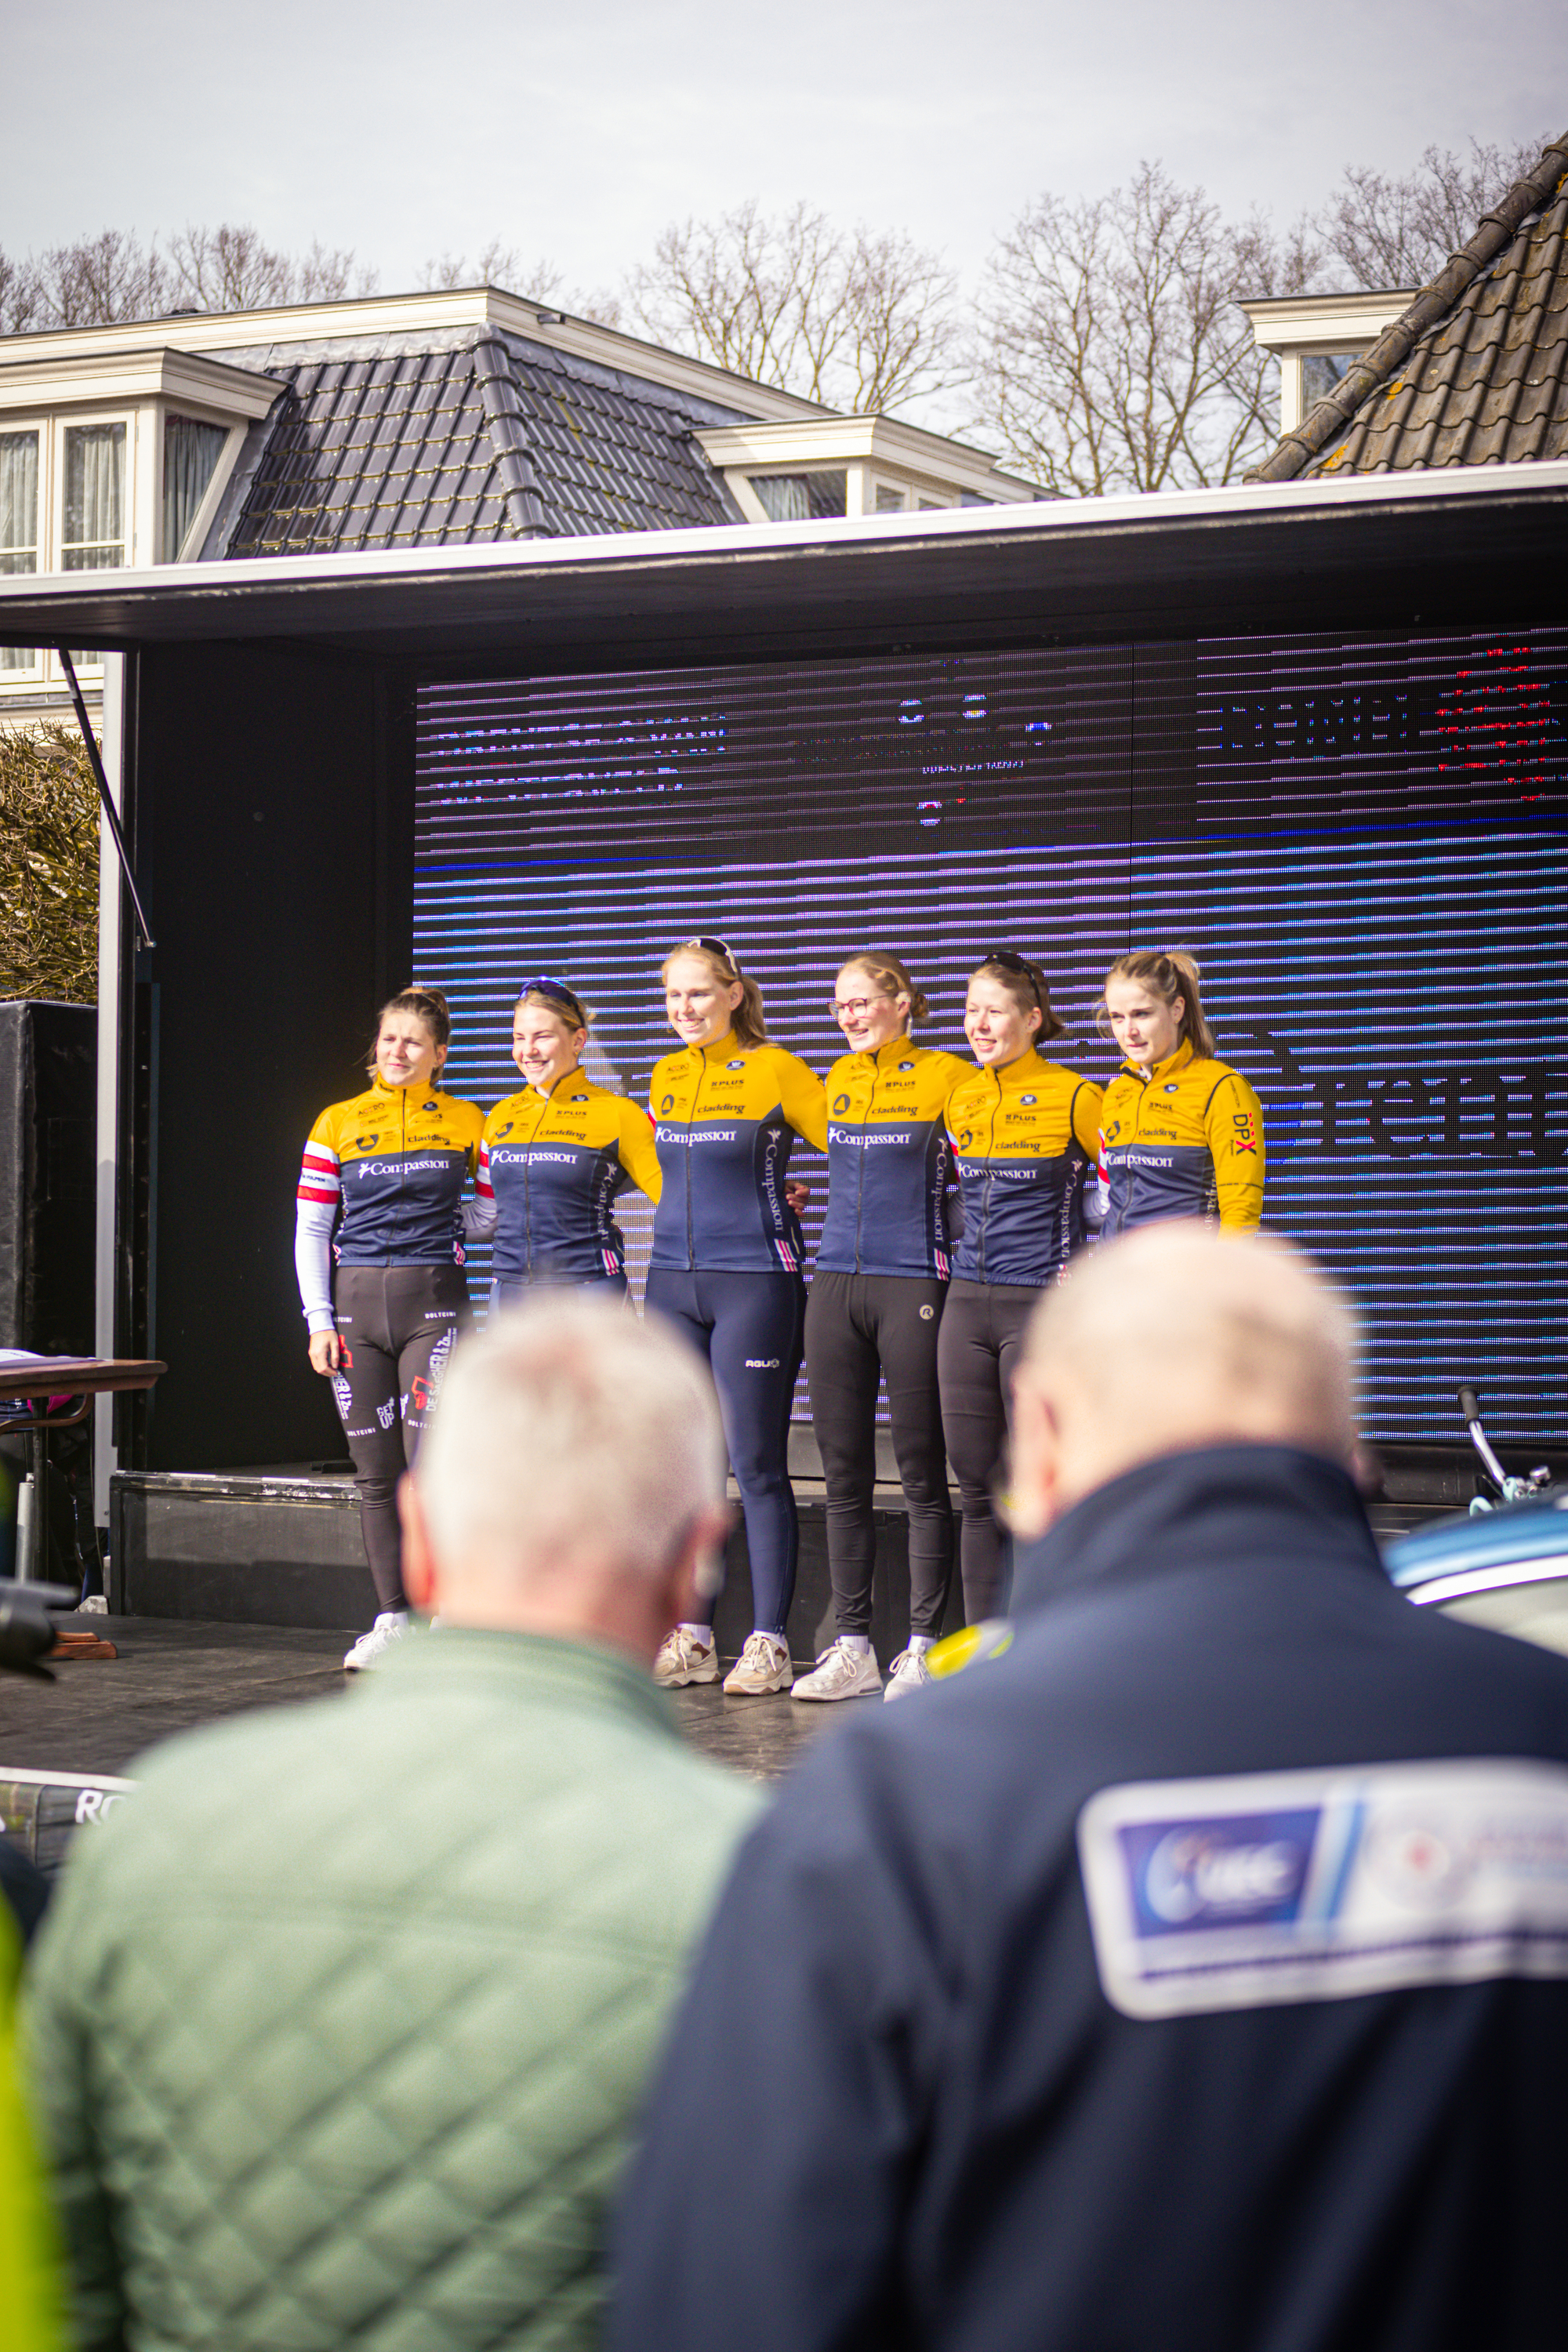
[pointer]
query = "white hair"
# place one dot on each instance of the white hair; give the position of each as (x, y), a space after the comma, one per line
(1179, 1336)
(568, 1429)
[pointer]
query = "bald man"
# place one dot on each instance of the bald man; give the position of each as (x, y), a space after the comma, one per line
(1193, 1975)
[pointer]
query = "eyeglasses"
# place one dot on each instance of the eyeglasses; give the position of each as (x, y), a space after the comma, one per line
(1011, 960)
(856, 1008)
(718, 947)
(557, 992)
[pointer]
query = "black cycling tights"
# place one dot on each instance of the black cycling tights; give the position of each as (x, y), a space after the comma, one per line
(397, 1324)
(982, 1334)
(747, 1327)
(860, 1327)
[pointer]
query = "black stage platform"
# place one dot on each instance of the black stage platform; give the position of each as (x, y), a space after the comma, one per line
(66, 1747)
(282, 1546)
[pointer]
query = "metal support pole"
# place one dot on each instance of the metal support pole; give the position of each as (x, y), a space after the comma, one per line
(111, 813)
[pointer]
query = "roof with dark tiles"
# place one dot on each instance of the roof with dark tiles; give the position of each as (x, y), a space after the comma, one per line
(486, 438)
(1475, 372)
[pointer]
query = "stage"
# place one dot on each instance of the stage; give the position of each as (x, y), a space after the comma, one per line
(68, 1748)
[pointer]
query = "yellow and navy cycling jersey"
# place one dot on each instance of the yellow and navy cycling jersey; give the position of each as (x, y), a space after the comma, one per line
(1182, 1140)
(393, 1162)
(890, 1163)
(1025, 1137)
(726, 1116)
(553, 1165)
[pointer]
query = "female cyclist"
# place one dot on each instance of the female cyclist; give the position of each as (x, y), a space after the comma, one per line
(555, 1156)
(726, 1267)
(1180, 1133)
(387, 1169)
(1024, 1132)
(873, 1312)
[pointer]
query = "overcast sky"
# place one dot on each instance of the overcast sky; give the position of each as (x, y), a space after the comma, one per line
(576, 131)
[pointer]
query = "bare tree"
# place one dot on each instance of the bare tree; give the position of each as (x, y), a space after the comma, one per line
(854, 319)
(1113, 355)
(229, 268)
(496, 265)
(1382, 232)
(21, 295)
(102, 280)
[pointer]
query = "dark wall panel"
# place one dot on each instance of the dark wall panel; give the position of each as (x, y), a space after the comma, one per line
(48, 1061)
(272, 836)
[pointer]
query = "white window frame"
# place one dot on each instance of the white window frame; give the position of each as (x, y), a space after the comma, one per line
(14, 681)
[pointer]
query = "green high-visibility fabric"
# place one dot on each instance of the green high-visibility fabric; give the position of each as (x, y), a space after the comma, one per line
(341, 2022)
(30, 2303)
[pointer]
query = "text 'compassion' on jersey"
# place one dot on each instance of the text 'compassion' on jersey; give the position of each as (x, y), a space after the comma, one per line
(726, 1117)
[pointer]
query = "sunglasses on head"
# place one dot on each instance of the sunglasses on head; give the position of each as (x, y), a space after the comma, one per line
(718, 947)
(1011, 960)
(557, 992)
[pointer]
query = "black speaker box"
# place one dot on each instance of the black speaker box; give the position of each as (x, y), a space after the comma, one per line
(48, 1065)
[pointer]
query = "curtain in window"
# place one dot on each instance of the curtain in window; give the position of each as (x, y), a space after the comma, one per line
(794, 497)
(94, 536)
(19, 524)
(191, 451)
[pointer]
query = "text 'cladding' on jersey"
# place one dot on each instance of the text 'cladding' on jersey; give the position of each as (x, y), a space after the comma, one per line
(1182, 1140)
(1025, 1138)
(551, 1168)
(890, 1163)
(726, 1116)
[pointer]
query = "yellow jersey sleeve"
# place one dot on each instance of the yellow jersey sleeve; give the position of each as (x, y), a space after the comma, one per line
(1233, 1127)
(801, 1098)
(638, 1149)
(1087, 1104)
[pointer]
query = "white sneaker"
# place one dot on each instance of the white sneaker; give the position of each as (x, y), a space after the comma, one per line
(909, 1671)
(683, 1659)
(371, 1647)
(762, 1665)
(842, 1672)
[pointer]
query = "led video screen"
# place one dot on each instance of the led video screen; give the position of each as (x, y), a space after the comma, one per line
(1361, 841)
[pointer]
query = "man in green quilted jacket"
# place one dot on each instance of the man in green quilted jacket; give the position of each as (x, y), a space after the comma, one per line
(339, 2030)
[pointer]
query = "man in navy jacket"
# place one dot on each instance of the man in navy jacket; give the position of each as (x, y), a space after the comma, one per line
(1196, 1975)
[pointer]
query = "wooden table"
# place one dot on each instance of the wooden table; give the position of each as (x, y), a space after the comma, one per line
(81, 1378)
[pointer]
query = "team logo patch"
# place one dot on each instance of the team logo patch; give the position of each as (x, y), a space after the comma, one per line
(502, 1132)
(667, 1106)
(927, 1313)
(366, 1142)
(906, 1065)
(734, 1066)
(430, 1106)
(841, 1104)
(1028, 1099)
(1173, 1088)
(1246, 1892)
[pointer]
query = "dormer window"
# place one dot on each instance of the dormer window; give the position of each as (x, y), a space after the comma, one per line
(1316, 337)
(822, 466)
(112, 460)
